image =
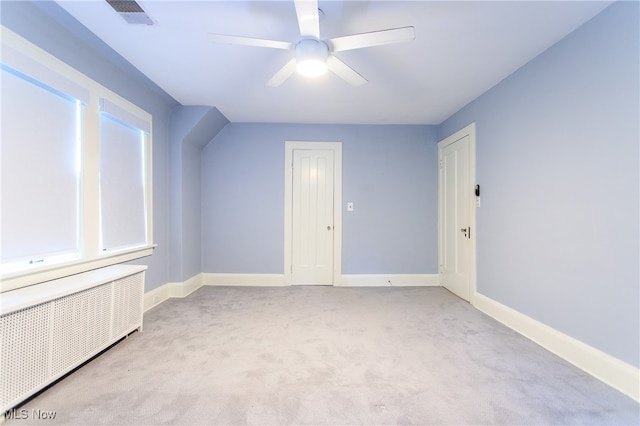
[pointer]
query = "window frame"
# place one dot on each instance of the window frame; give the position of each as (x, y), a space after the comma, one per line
(27, 58)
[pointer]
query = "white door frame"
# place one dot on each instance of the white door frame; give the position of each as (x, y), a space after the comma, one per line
(336, 147)
(469, 131)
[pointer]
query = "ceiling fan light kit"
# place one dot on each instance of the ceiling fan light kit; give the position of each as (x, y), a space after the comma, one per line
(311, 57)
(314, 56)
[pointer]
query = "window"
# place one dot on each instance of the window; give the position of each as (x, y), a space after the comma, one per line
(76, 170)
(40, 172)
(123, 200)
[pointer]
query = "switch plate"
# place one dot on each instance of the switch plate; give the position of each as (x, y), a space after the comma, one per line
(350, 206)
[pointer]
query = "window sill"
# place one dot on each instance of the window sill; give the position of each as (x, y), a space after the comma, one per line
(15, 280)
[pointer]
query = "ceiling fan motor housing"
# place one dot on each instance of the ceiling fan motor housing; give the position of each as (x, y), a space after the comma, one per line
(311, 57)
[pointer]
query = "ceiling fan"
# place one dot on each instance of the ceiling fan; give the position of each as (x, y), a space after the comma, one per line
(314, 56)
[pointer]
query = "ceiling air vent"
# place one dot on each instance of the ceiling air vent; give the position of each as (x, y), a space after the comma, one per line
(131, 11)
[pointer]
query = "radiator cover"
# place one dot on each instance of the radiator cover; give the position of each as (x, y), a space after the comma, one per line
(47, 330)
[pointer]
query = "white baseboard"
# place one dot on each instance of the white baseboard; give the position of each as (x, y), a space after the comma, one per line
(389, 280)
(254, 280)
(160, 294)
(353, 280)
(612, 371)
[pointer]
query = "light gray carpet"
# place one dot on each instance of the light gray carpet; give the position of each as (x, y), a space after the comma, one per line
(324, 355)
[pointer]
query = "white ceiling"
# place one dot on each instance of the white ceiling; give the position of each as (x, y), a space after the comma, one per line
(461, 50)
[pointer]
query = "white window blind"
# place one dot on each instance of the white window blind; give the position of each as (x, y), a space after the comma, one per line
(40, 175)
(123, 208)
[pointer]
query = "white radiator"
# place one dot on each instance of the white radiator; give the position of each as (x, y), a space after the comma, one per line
(47, 330)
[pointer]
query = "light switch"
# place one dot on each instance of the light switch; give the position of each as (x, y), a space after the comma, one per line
(349, 206)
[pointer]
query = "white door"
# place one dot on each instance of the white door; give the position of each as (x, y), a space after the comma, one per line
(457, 233)
(312, 217)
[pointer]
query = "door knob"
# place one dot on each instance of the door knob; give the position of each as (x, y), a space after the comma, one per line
(329, 228)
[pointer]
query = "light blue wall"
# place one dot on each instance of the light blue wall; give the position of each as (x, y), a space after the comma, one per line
(54, 30)
(558, 161)
(389, 172)
(191, 129)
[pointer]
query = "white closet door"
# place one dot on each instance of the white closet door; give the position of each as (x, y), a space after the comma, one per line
(313, 222)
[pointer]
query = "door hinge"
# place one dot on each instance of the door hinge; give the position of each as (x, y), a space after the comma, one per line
(441, 164)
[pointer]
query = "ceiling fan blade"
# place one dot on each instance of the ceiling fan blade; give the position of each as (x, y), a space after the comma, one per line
(344, 71)
(249, 41)
(284, 73)
(308, 19)
(375, 38)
